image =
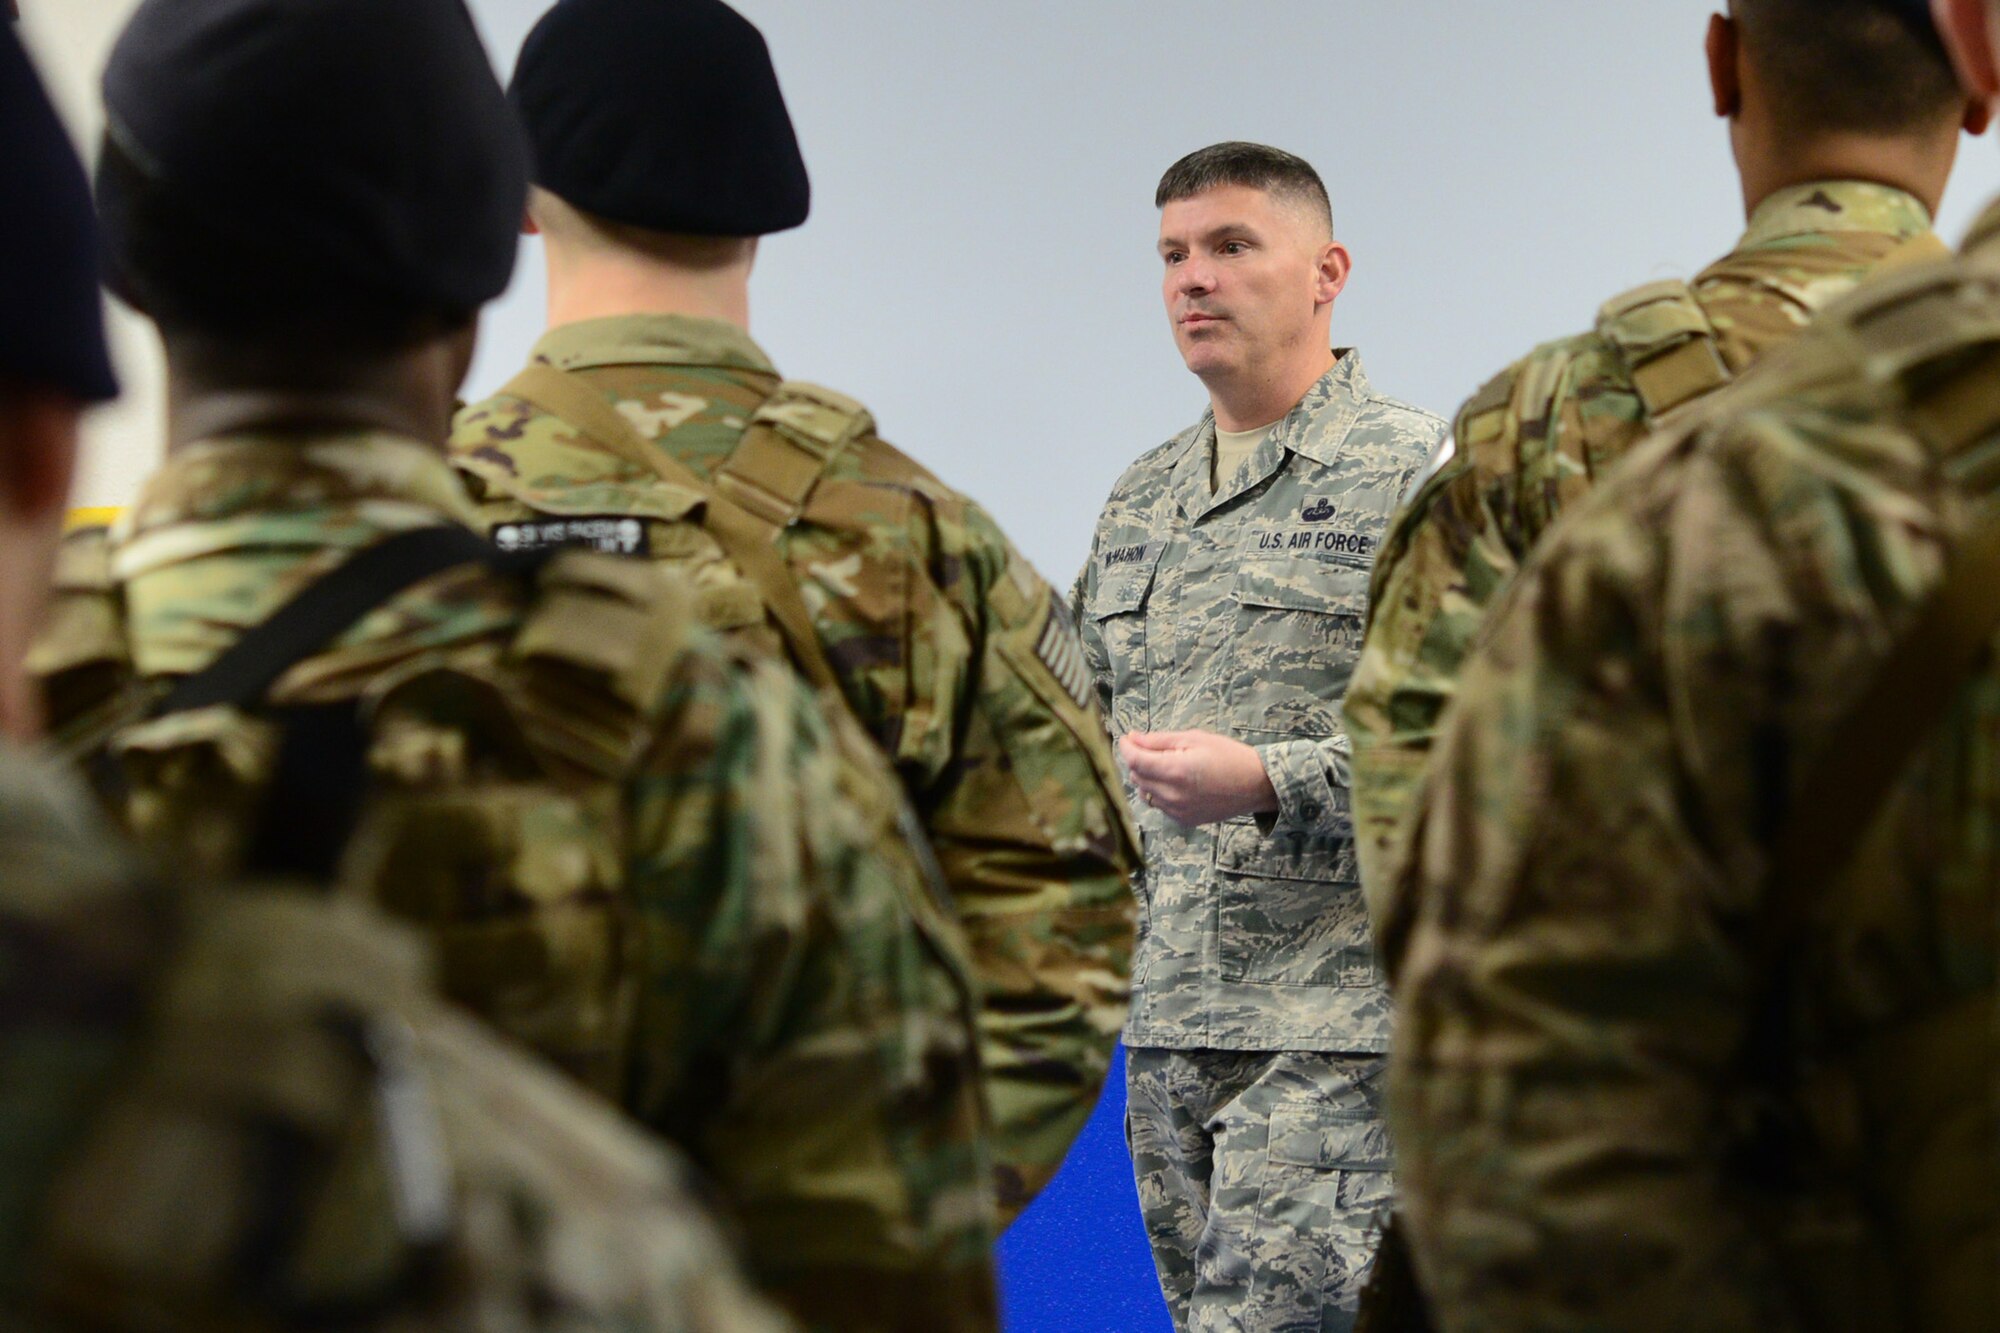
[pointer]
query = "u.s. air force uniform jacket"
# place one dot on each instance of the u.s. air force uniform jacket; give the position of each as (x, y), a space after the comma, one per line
(1240, 611)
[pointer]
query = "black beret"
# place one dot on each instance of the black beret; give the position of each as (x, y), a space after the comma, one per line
(52, 318)
(369, 138)
(1915, 13)
(663, 114)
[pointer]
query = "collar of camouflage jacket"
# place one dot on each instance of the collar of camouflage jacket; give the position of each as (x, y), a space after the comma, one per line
(1982, 242)
(341, 489)
(231, 529)
(1838, 205)
(1314, 428)
(653, 340)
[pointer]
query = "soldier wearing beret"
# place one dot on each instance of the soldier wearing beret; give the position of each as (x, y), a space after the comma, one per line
(1844, 123)
(1221, 610)
(635, 855)
(650, 423)
(1696, 1015)
(164, 1164)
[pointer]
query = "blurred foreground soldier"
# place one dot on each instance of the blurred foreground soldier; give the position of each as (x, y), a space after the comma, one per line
(1844, 123)
(1697, 1025)
(1221, 612)
(636, 857)
(246, 1113)
(649, 423)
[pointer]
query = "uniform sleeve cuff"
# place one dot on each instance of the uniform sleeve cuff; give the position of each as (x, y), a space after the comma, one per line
(1300, 775)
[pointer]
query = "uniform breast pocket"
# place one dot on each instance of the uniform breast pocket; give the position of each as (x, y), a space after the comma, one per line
(1119, 610)
(1298, 630)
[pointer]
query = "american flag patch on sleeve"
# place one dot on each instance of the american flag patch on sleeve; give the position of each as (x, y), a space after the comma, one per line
(1062, 653)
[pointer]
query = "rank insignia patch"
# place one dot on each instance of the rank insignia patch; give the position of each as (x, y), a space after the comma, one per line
(1062, 653)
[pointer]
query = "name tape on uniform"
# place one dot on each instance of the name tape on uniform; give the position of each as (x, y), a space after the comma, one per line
(611, 534)
(1143, 553)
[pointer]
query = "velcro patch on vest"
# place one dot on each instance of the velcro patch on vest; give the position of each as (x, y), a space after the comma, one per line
(609, 534)
(1061, 652)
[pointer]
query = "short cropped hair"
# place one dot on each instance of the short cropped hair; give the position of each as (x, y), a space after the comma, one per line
(1255, 166)
(1852, 66)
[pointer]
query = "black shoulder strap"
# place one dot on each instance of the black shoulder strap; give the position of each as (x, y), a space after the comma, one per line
(332, 605)
(312, 802)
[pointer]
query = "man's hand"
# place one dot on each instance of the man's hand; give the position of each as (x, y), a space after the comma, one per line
(1197, 777)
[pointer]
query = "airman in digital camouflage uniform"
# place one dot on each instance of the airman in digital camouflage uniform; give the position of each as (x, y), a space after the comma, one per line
(247, 1112)
(1696, 1021)
(1221, 610)
(650, 423)
(635, 856)
(1844, 126)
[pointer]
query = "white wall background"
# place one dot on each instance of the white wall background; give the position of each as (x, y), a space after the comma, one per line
(979, 266)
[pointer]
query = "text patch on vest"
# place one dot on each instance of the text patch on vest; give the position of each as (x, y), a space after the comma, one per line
(610, 534)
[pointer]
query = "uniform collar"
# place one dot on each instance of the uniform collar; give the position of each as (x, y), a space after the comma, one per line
(1983, 241)
(1314, 428)
(652, 340)
(1836, 205)
(365, 475)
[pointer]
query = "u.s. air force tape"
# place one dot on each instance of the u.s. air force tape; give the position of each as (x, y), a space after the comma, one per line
(1062, 653)
(612, 534)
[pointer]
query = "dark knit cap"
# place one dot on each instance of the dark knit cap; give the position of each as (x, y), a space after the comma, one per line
(354, 150)
(52, 317)
(1917, 13)
(663, 114)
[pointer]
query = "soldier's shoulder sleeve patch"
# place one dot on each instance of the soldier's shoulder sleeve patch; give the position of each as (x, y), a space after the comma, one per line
(1482, 421)
(1036, 674)
(1058, 648)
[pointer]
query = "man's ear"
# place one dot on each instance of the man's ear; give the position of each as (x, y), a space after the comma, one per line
(1335, 265)
(1968, 36)
(1725, 79)
(529, 227)
(1978, 116)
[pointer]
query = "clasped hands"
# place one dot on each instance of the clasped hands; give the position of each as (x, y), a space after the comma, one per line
(1197, 777)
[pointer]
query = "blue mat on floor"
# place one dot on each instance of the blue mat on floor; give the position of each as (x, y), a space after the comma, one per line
(1077, 1260)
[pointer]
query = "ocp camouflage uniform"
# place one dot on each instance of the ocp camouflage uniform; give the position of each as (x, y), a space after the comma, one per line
(1542, 433)
(248, 1113)
(1258, 1016)
(947, 645)
(637, 857)
(1601, 999)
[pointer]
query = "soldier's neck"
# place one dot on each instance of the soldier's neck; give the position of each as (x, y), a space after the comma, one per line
(211, 394)
(1919, 166)
(604, 286)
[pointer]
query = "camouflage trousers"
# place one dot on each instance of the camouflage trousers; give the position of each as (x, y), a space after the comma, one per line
(1263, 1178)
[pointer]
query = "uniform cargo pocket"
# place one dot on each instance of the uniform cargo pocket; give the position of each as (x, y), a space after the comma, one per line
(1298, 632)
(1289, 910)
(1326, 1190)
